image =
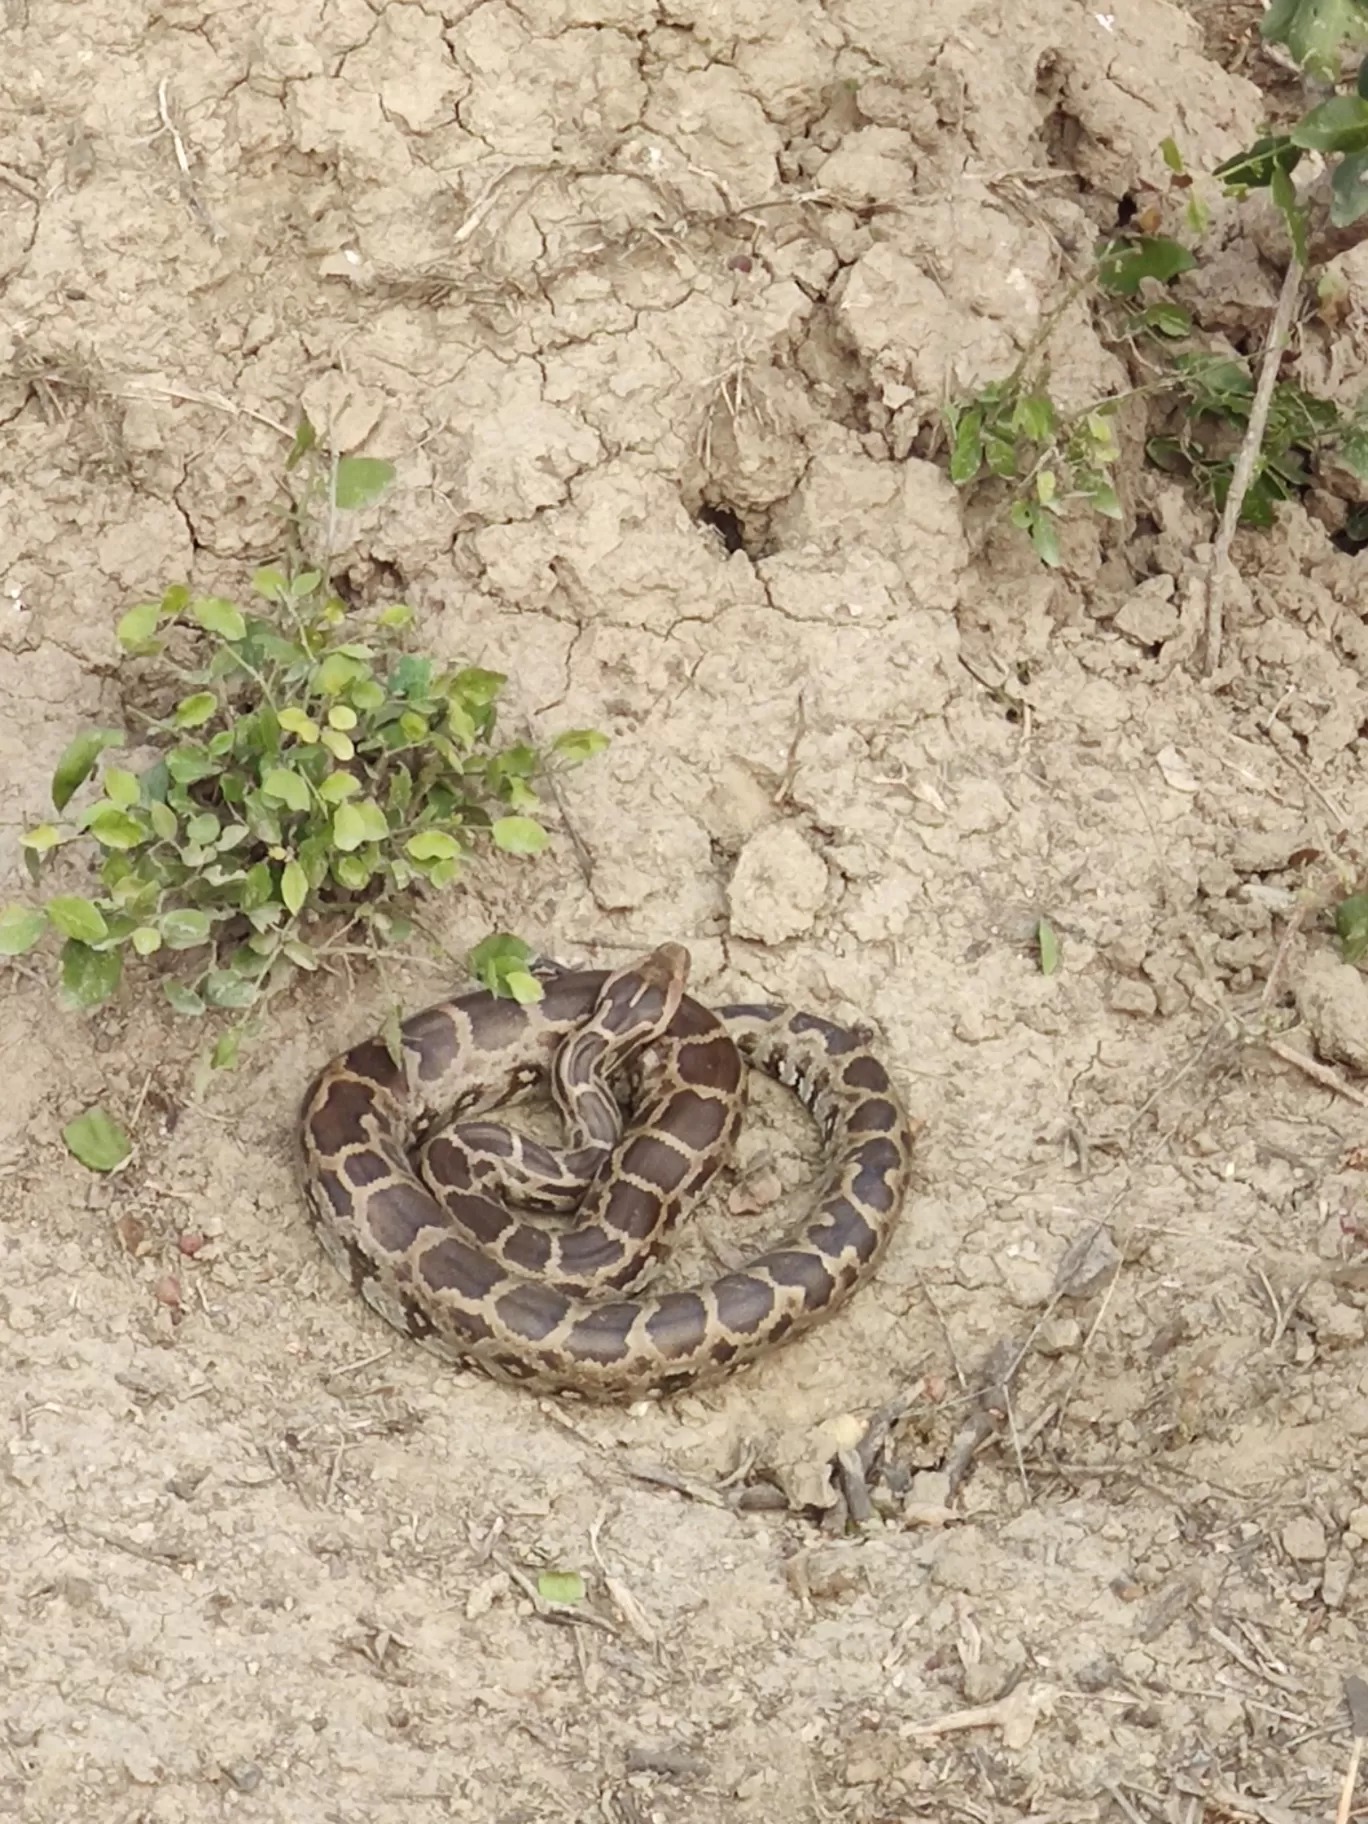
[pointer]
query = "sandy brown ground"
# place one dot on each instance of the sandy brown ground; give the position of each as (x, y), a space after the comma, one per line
(581, 268)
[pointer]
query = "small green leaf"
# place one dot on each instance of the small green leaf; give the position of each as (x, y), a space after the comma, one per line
(348, 828)
(356, 822)
(305, 439)
(188, 765)
(1167, 320)
(269, 581)
(340, 746)
(97, 1140)
(360, 481)
(145, 940)
(121, 786)
(78, 918)
(1104, 500)
(195, 711)
(136, 629)
(184, 999)
(218, 616)
(297, 722)
(1351, 926)
(78, 762)
(518, 835)
(185, 929)
(496, 957)
(477, 687)
(1048, 945)
(1284, 194)
(338, 786)
(115, 829)
(352, 872)
(1314, 31)
(577, 745)
(46, 836)
(1349, 190)
(966, 455)
(1172, 157)
(1034, 417)
(1337, 125)
(337, 672)
(163, 820)
(433, 845)
(399, 615)
(525, 989)
(223, 988)
(227, 1052)
(560, 1586)
(1123, 262)
(89, 976)
(294, 887)
(1253, 168)
(20, 928)
(286, 787)
(258, 889)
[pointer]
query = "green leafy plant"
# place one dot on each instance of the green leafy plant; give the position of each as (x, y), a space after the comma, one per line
(1015, 435)
(1317, 33)
(1011, 430)
(1217, 394)
(299, 775)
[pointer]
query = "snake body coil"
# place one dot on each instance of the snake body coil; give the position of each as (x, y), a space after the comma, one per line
(455, 1266)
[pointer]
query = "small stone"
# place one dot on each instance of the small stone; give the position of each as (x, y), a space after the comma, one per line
(1332, 997)
(132, 1233)
(245, 1775)
(1149, 617)
(931, 1488)
(1303, 1539)
(1059, 1336)
(1028, 1283)
(778, 885)
(1339, 1568)
(1358, 1523)
(1134, 997)
(1087, 1264)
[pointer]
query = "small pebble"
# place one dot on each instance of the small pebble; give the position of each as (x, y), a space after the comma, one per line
(1303, 1539)
(778, 885)
(1339, 1568)
(1059, 1336)
(166, 1290)
(132, 1233)
(1136, 998)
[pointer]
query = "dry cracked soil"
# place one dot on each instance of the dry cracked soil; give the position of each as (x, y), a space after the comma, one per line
(653, 304)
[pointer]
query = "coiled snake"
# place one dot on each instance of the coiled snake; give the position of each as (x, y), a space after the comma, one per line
(434, 1243)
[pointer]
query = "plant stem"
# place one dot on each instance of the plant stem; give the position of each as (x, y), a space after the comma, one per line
(1221, 568)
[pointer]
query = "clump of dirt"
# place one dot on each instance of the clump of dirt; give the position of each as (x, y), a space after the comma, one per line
(655, 309)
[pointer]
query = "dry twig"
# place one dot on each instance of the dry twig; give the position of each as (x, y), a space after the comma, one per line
(1220, 569)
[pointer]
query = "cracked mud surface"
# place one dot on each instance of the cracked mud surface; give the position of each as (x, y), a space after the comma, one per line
(652, 306)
